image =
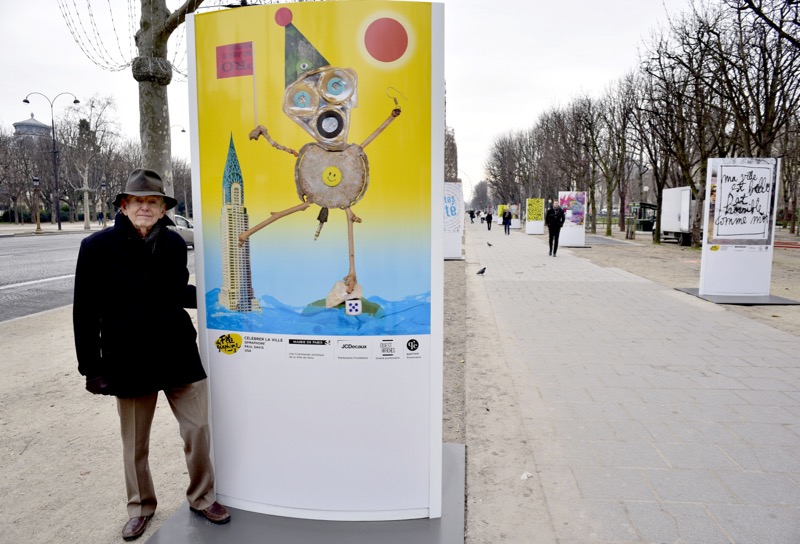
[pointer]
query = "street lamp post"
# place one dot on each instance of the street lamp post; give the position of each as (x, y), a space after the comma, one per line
(103, 201)
(57, 197)
(36, 203)
(185, 200)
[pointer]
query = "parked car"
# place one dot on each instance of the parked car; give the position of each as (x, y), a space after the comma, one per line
(185, 228)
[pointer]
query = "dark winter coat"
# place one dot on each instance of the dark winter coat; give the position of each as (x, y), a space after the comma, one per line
(506, 217)
(132, 334)
(554, 219)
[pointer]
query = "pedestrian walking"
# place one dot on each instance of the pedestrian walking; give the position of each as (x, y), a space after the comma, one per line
(489, 220)
(554, 219)
(507, 221)
(472, 216)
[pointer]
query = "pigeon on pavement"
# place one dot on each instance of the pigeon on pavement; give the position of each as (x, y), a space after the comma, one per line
(481, 271)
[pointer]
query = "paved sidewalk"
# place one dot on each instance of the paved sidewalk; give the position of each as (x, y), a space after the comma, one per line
(28, 229)
(606, 408)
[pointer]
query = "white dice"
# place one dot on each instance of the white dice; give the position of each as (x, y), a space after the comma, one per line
(352, 307)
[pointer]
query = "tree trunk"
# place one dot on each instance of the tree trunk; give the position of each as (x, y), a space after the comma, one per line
(86, 221)
(154, 131)
(154, 72)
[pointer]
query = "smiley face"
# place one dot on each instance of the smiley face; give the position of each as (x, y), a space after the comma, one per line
(331, 176)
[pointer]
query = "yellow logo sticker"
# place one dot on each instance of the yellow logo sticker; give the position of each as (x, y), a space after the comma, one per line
(714, 248)
(229, 343)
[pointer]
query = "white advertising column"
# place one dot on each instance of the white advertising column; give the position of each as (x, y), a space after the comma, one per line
(573, 233)
(320, 291)
(453, 220)
(534, 222)
(739, 226)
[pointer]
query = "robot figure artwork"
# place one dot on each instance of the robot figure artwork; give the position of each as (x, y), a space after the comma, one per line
(329, 172)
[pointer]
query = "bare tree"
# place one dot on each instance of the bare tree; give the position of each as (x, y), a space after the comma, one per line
(450, 155)
(782, 16)
(89, 134)
(758, 78)
(501, 169)
(654, 120)
(480, 196)
(182, 171)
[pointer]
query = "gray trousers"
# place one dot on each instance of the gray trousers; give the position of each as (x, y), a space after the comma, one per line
(189, 403)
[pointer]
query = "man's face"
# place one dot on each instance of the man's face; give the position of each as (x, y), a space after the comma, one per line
(144, 211)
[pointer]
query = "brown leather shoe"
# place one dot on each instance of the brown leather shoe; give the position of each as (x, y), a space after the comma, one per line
(135, 527)
(216, 513)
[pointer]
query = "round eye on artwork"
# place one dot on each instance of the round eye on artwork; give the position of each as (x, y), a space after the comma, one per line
(330, 124)
(302, 99)
(337, 85)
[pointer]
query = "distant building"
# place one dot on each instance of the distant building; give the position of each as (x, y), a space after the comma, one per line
(32, 127)
(236, 293)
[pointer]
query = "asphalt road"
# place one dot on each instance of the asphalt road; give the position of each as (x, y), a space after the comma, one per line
(37, 273)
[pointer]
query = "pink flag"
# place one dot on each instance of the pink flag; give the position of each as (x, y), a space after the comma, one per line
(235, 60)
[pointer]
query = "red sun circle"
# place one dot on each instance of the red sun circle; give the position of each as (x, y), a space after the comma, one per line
(386, 39)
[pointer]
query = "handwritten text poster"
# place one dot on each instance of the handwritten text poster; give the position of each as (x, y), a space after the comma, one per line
(741, 204)
(738, 225)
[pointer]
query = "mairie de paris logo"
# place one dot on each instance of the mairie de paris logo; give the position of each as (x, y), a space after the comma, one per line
(228, 343)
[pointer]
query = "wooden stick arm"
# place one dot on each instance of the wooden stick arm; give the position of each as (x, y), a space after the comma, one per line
(274, 216)
(261, 130)
(395, 114)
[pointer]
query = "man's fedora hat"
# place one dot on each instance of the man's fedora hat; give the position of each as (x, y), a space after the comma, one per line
(144, 182)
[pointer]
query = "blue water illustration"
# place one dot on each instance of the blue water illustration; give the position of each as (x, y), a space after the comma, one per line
(411, 315)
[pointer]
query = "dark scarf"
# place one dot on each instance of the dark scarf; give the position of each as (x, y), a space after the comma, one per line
(149, 239)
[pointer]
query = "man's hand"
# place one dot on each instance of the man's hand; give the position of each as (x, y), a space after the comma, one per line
(98, 385)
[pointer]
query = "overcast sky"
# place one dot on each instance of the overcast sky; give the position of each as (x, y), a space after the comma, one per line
(506, 61)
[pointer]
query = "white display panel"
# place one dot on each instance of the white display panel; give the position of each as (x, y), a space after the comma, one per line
(321, 412)
(453, 220)
(534, 217)
(573, 233)
(738, 226)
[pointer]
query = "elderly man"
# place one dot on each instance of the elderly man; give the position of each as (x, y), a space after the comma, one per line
(133, 339)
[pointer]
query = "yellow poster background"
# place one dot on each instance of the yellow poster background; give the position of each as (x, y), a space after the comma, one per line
(392, 244)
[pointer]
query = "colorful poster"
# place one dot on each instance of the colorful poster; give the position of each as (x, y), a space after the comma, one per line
(534, 222)
(573, 233)
(316, 153)
(308, 157)
(738, 226)
(453, 220)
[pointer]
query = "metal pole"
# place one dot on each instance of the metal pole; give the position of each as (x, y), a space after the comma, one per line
(36, 204)
(57, 198)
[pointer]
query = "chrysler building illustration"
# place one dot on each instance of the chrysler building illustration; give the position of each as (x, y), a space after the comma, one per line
(236, 293)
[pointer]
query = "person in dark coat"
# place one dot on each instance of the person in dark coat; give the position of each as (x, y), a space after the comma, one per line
(554, 219)
(489, 219)
(134, 338)
(507, 221)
